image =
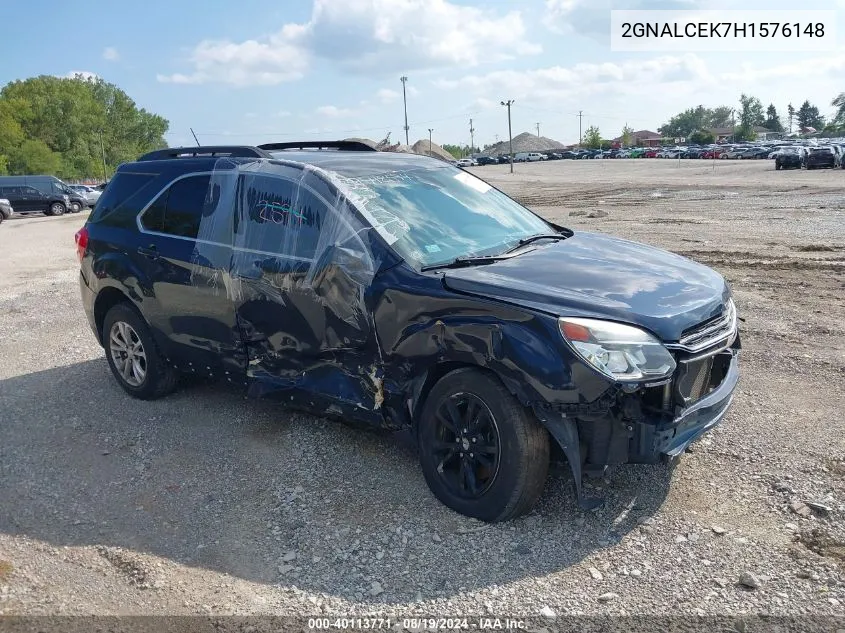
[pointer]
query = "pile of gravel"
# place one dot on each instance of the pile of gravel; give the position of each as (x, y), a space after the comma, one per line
(423, 147)
(525, 142)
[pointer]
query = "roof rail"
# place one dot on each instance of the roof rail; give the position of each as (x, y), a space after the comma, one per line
(206, 150)
(347, 146)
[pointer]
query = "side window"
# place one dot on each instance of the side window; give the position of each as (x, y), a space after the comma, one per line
(180, 209)
(31, 191)
(278, 216)
(153, 218)
(186, 201)
(57, 188)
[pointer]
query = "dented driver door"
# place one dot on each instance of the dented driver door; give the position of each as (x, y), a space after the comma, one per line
(301, 272)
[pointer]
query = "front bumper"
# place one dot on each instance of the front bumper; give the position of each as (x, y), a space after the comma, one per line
(699, 417)
(637, 431)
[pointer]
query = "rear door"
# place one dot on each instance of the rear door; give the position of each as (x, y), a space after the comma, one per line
(184, 248)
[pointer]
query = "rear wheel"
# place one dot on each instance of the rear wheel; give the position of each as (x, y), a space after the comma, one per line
(133, 357)
(482, 453)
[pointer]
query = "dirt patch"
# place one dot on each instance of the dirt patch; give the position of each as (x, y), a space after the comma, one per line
(127, 564)
(6, 569)
(823, 544)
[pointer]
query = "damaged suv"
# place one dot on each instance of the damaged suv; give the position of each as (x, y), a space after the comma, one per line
(401, 292)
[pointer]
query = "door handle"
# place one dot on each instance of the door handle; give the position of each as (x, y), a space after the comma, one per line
(151, 251)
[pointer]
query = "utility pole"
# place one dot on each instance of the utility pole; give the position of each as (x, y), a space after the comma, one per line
(103, 150)
(509, 103)
(733, 126)
(580, 136)
(195, 136)
(538, 128)
(430, 130)
(403, 79)
(471, 137)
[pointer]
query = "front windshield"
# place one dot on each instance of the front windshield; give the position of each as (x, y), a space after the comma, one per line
(432, 216)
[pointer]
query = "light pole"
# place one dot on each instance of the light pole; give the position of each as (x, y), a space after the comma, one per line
(471, 138)
(403, 79)
(508, 103)
(430, 130)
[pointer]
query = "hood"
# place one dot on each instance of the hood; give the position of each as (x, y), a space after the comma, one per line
(595, 275)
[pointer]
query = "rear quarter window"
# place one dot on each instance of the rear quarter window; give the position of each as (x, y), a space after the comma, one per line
(125, 195)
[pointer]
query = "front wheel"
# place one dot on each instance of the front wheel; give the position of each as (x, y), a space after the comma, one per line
(57, 208)
(75, 207)
(482, 453)
(133, 357)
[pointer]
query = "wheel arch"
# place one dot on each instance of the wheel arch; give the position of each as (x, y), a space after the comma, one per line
(106, 299)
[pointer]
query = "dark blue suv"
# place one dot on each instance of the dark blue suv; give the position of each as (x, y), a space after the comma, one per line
(401, 292)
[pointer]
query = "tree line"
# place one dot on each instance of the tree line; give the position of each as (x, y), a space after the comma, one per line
(751, 114)
(73, 128)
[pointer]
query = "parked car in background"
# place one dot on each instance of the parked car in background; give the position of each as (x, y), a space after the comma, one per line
(819, 157)
(486, 160)
(90, 194)
(49, 185)
(520, 157)
(712, 153)
(466, 162)
(6, 209)
(490, 334)
(788, 159)
(26, 199)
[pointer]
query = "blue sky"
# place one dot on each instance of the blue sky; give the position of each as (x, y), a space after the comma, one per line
(261, 70)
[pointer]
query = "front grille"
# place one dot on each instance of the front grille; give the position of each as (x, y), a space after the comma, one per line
(718, 330)
(693, 379)
(698, 377)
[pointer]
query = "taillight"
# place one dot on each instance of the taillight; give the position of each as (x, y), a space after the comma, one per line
(81, 242)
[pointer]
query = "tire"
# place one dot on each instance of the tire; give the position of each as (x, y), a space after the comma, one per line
(75, 207)
(123, 323)
(56, 208)
(777, 166)
(517, 447)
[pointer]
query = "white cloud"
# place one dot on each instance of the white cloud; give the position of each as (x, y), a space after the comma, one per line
(271, 61)
(386, 95)
(592, 17)
(334, 112)
(556, 82)
(283, 113)
(110, 54)
(366, 36)
(84, 74)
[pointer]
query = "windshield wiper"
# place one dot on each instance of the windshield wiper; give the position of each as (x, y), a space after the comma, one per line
(460, 262)
(535, 238)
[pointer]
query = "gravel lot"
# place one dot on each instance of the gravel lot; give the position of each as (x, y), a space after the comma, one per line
(206, 502)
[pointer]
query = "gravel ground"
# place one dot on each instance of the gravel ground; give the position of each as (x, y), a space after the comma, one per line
(205, 502)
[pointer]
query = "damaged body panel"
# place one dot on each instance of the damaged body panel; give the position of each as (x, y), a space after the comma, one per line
(399, 292)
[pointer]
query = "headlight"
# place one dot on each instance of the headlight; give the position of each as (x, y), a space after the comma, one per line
(622, 352)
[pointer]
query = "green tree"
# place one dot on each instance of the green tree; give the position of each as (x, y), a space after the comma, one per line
(750, 113)
(720, 116)
(592, 137)
(72, 118)
(701, 137)
(790, 111)
(839, 104)
(772, 121)
(627, 136)
(808, 116)
(34, 157)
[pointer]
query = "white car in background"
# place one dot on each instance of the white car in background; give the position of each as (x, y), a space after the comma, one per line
(467, 162)
(90, 194)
